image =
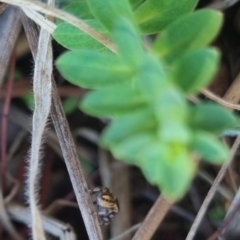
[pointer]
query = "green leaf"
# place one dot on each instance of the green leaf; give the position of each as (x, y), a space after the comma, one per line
(190, 32)
(169, 167)
(91, 69)
(79, 9)
(135, 2)
(125, 126)
(209, 148)
(130, 149)
(128, 43)
(173, 131)
(74, 39)
(154, 15)
(151, 79)
(113, 101)
(195, 69)
(170, 104)
(211, 117)
(109, 11)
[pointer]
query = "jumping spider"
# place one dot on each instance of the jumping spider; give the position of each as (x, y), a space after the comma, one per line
(107, 204)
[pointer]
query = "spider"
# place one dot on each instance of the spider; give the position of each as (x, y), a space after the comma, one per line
(107, 204)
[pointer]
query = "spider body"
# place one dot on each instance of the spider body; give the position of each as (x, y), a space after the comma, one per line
(106, 203)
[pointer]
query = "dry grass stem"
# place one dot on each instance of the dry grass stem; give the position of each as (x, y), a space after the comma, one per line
(127, 232)
(50, 210)
(221, 190)
(153, 219)
(40, 20)
(54, 227)
(68, 149)
(48, 10)
(42, 88)
(14, 190)
(219, 100)
(10, 25)
(212, 192)
(74, 168)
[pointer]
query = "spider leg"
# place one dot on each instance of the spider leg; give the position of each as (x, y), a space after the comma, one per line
(103, 212)
(95, 190)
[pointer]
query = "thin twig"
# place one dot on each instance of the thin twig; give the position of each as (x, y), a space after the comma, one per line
(54, 206)
(212, 191)
(127, 232)
(4, 125)
(153, 219)
(42, 89)
(74, 168)
(232, 211)
(69, 150)
(222, 190)
(48, 10)
(53, 226)
(222, 5)
(219, 100)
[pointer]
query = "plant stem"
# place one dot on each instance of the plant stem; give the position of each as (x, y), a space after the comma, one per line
(153, 219)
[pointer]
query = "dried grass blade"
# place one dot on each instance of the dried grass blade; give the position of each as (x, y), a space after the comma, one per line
(42, 89)
(40, 20)
(9, 29)
(68, 148)
(53, 226)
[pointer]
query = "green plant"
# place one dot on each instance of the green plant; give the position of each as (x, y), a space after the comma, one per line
(143, 88)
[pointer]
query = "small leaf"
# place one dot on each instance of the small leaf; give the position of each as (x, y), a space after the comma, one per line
(190, 32)
(79, 9)
(211, 117)
(151, 79)
(195, 69)
(135, 2)
(173, 131)
(125, 126)
(74, 39)
(154, 15)
(128, 43)
(171, 104)
(169, 167)
(130, 149)
(91, 69)
(209, 148)
(109, 11)
(113, 101)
